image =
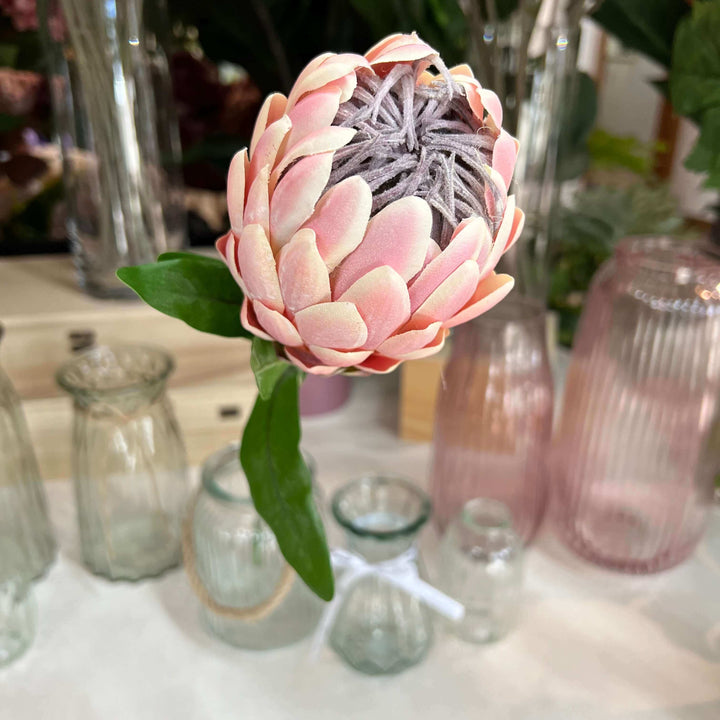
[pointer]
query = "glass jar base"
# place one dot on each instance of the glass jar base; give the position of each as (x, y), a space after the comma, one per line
(374, 659)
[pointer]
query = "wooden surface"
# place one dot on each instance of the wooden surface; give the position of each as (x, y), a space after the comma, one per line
(212, 387)
(419, 385)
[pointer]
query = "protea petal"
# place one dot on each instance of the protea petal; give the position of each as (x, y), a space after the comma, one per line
(517, 228)
(502, 238)
(303, 276)
(295, 196)
(277, 325)
(314, 112)
(464, 245)
(336, 325)
(330, 69)
(451, 295)
(257, 207)
(339, 358)
(397, 236)
(269, 144)
(227, 247)
(399, 48)
(340, 219)
(249, 320)
(433, 347)
(379, 365)
(257, 267)
(272, 109)
(409, 341)
(381, 297)
(504, 156)
(237, 173)
(491, 103)
(307, 362)
(488, 294)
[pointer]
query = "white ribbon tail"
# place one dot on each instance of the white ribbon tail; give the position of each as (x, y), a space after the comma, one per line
(430, 595)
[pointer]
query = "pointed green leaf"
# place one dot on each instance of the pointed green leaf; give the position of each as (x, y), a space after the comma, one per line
(280, 483)
(266, 365)
(198, 290)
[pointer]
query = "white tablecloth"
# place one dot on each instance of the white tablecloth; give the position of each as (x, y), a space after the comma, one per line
(591, 645)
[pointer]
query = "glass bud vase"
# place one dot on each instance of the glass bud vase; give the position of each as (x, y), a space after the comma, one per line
(114, 116)
(130, 474)
(493, 421)
(631, 489)
(23, 509)
(249, 595)
(380, 629)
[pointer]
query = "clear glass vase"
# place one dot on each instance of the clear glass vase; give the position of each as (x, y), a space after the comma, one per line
(631, 490)
(527, 54)
(17, 604)
(493, 421)
(114, 115)
(249, 595)
(380, 629)
(23, 508)
(480, 565)
(128, 457)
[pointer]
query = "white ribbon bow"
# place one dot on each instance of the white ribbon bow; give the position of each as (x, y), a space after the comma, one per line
(401, 571)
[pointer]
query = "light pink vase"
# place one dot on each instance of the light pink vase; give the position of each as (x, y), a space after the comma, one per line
(494, 416)
(319, 395)
(630, 489)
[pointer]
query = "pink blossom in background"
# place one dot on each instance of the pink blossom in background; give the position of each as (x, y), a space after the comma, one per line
(23, 13)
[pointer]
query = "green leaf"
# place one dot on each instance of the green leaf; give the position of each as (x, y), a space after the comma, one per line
(648, 27)
(198, 290)
(266, 365)
(280, 483)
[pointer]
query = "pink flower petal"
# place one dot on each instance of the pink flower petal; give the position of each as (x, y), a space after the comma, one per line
(502, 236)
(504, 156)
(277, 325)
(272, 109)
(465, 245)
(517, 228)
(257, 267)
(236, 189)
(227, 247)
(488, 294)
(381, 296)
(268, 145)
(332, 68)
(257, 207)
(403, 343)
(340, 219)
(307, 362)
(336, 325)
(399, 48)
(249, 320)
(326, 139)
(337, 358)
(346, 85)
(312, 113)
(462, 71)
(397, 236)
(295, 196)
(303, 276)
(378, 365)
(433, 347)
(450, 295)
(491, 103)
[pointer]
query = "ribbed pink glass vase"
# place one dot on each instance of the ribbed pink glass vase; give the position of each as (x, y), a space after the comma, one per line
(630, 491)
(494, 416)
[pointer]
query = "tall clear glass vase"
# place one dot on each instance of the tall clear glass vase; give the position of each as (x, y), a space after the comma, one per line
(526, 52)
(112, 99)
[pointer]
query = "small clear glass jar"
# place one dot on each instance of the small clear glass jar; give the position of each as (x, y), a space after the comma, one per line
(129, 467)
(23, 508)
(481, 567)
(17, 604)
(250, 597)
(381, 629)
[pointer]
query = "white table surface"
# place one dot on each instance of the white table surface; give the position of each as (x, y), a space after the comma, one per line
(591, 644)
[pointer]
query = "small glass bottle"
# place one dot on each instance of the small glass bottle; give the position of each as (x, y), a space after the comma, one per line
(380, 629)
(250, 597)
(17, 603)
(23, 508)
(130, 473)
(481, 567)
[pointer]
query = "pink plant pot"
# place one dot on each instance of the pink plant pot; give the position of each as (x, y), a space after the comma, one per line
(320, 395)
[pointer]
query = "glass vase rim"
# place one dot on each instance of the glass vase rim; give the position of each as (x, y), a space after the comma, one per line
(490, 508)
(166, 365)
(641, 251)
(225, 457)
(408, 528)
(515, 309)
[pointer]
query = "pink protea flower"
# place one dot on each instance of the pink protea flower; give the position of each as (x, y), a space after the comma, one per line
(371, 210)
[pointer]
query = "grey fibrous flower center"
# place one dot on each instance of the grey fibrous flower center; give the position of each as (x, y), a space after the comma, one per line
(419, 140)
